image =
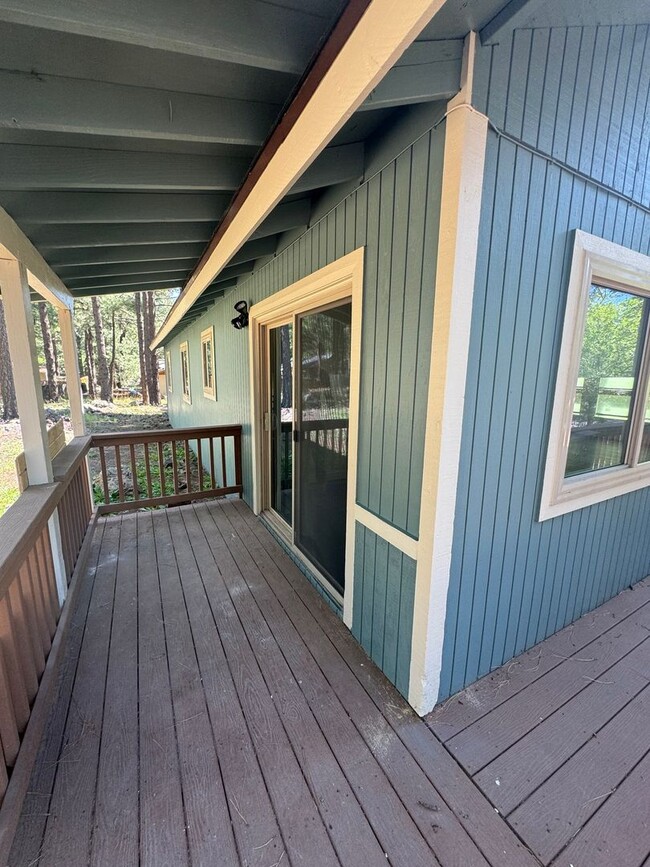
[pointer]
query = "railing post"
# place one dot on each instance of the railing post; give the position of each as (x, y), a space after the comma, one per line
(29, 395)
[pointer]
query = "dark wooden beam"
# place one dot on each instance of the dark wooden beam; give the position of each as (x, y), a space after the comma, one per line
(99, 207)
(30, 167)
(119, 290)
(505, 20)
(142, 253)
(101, 235)
(248, 33)
(289, 215)
(122, 269)
(71, 105)
(91, 283)
(427, 71)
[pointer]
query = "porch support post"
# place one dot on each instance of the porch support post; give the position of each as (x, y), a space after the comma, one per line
(72, 376)
(464, 158)
(29, 395)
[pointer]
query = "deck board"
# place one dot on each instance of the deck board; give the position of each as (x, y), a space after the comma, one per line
(559, 739)
(213, 710)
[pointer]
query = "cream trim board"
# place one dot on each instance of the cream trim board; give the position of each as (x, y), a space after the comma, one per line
(594, 259)
(335, 282)
(186, 388)
(404, 543)
(168, 370)
(207, 337)
(460, 209)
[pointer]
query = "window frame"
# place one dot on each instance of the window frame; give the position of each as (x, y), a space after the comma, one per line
(168, 370)
(595, 260)
(187, 393)
(207, 336)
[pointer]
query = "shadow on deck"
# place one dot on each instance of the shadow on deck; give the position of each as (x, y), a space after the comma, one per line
(212, 710)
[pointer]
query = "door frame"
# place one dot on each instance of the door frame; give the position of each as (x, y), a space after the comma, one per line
(341, 280)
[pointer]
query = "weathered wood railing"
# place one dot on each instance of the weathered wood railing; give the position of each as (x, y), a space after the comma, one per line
(165, 468)
(29, 615)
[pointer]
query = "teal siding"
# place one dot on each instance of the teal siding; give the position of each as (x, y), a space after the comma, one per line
(384, 592)
(394, 215)
(580, 96)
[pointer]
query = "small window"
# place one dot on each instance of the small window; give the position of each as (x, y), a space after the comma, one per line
(185, 372)
(207, 363)
(168, 370)
(599, 444)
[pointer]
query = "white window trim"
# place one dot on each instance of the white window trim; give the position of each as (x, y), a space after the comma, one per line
(207, 336)
(168, 370)
(187, 395)
(594, 260)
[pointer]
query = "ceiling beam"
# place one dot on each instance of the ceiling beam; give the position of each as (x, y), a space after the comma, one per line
(289, 215)
(249, 32)
(123, 269)
(142, 253)
(125, 288)
(426, 72)
(254, 249)
(505, 20)
(71, 105)
(25, 167)
(90, 284)
(101, 235)
(16, 245)
(369, 38)
(99, 207)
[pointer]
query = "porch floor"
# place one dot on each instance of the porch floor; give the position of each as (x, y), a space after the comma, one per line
(212, 710)
(559, 738)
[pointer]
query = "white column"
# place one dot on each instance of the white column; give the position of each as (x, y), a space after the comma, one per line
(72, 376)
(460, 207)
(29, 395)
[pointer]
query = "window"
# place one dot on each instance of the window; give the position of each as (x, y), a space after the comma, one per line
(185, 372)
(599, 444)
(207, 363)
(168, 370)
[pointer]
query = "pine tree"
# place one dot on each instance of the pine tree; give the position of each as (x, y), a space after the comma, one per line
(7, 387)
(103, 373)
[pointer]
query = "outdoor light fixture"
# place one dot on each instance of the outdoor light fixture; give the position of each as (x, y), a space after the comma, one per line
(240, 321)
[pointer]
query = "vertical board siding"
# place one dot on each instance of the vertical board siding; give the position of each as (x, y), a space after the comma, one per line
(579, 95)
(384, 592)
(394, 215)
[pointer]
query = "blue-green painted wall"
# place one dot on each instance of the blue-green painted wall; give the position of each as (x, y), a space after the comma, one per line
(393, 214)
(384, 592)
(579, 95)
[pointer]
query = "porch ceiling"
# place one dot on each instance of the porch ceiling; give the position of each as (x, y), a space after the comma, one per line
(126, 129)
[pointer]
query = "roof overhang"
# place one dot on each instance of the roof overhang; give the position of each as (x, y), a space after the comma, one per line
(367, 41)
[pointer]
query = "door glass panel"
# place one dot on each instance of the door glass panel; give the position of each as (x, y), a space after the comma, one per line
(323, 438)
(607, 380)
(281, 420)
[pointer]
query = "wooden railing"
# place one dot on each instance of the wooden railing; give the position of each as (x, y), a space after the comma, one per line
(170, 467)
(29, 614)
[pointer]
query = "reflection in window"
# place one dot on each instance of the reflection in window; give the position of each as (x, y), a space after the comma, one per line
(607, 380)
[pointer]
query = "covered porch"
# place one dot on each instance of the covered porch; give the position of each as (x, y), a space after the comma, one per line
(211, 708)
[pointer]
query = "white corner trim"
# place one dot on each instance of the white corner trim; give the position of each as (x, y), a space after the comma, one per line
(404, 543)
(462, 186)
(341, 279)
(593, 258)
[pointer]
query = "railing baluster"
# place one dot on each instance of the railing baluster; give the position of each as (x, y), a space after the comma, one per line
(38, 604)
(118, 468)
(212, 473)
(238, 479)
(199, 458)
(224, 472)
(134, 472)
(147, 467)
(175, 466)
(188, 466)
(26, 596)
(20, 627)
(161, 467)
(102, 458)
(8, 724)
(47, 567)
(18, 684)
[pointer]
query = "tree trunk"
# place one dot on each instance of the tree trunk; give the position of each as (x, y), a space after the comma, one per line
(90, 364)
(141, 347)
(51, 390)
(7, 388)
(103, 375)
(151, 364)
(111, 366)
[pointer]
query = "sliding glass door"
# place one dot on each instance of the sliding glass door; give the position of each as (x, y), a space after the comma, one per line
(308, 442)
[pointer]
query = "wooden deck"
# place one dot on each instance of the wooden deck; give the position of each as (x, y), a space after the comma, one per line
(212, 710)
(559, 739)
